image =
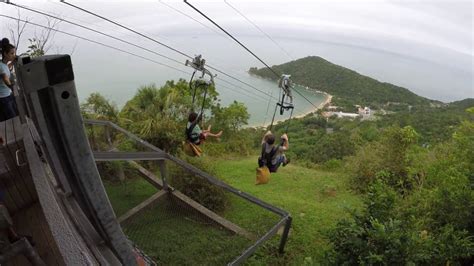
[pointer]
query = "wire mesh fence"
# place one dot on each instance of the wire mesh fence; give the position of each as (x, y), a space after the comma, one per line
(178, 215)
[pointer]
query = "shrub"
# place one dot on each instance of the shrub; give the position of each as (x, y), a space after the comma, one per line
(390, 233)
(332, 165)
(198, 188)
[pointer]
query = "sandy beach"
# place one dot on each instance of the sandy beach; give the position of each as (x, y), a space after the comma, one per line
(327, 101)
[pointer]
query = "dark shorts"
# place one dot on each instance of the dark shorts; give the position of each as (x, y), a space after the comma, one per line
(8, 108)
(2, 195)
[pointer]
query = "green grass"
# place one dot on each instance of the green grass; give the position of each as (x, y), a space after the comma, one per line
(127, 194)
(315, 199)
(172, 236)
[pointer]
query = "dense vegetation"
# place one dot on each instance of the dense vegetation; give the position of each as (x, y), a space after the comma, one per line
(347, 86)
(412, 167)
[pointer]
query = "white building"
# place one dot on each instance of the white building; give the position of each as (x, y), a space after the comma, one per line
(342, 114)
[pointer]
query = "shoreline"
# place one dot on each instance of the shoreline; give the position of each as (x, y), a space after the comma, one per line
(326, 101)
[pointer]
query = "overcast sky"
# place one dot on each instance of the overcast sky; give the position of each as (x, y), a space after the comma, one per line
(435, 31)
(446, 24)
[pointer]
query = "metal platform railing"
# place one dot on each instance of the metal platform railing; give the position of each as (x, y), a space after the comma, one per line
(253, 233)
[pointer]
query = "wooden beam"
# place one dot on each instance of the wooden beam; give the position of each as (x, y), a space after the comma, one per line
(147, 204)
(149, 176)
(156, 182)
(127, 156)
(226, 224)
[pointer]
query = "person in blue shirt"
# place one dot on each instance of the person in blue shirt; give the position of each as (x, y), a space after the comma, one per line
(194, 133)
(7, 100)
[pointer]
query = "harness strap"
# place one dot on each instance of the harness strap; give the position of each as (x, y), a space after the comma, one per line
(189, 131)
(268, 157)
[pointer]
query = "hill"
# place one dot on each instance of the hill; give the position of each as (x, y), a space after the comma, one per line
(347, 86)
(462, 104)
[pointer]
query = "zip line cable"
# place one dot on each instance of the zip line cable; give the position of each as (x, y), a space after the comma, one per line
(230, 35)
(93, 30)
(204, 25)
(219, 33)
(258, 28)
(127, 28)
(117, 49)
(268, 108)
(188, 16)
(96, 42)
(215, 69)
(129, 43)
(245, 47)
(158, 42)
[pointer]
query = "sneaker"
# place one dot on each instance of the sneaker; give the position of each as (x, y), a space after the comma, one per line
(286, 162)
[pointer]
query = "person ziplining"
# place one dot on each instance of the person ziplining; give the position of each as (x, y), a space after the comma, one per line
(194, 134)
(273, 156)
(285, 85)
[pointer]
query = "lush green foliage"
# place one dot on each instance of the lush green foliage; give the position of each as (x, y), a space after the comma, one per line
(385, 159)
(198, 188)
(435, 124)
(419, 206)
(159, 116)
(347, 86)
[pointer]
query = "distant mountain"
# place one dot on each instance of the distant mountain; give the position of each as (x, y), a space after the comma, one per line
(462, 104)
(347, 86)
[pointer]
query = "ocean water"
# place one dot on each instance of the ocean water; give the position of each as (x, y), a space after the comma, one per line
(117, 76)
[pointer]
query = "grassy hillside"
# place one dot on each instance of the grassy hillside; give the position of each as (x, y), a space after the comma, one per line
(315, 199)
(348, 86)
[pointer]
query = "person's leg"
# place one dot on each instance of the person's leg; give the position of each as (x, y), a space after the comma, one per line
(282, 160)
(288, 94)
(10, 107)
(206, 134)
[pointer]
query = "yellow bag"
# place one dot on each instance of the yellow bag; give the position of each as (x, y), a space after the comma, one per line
(263, 175)
(192, 149)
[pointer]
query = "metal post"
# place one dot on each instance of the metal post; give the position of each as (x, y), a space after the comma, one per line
(109, 139)
(284, 237)
(163, 173)
(94, 143)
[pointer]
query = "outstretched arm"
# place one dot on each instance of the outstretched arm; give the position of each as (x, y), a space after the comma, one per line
(286, 144)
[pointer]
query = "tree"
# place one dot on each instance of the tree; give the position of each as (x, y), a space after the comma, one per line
(387, 158)
(16, 31)
(233, 117)
(97, 106)
(42, 40)
(159, 115)
(332, 146)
